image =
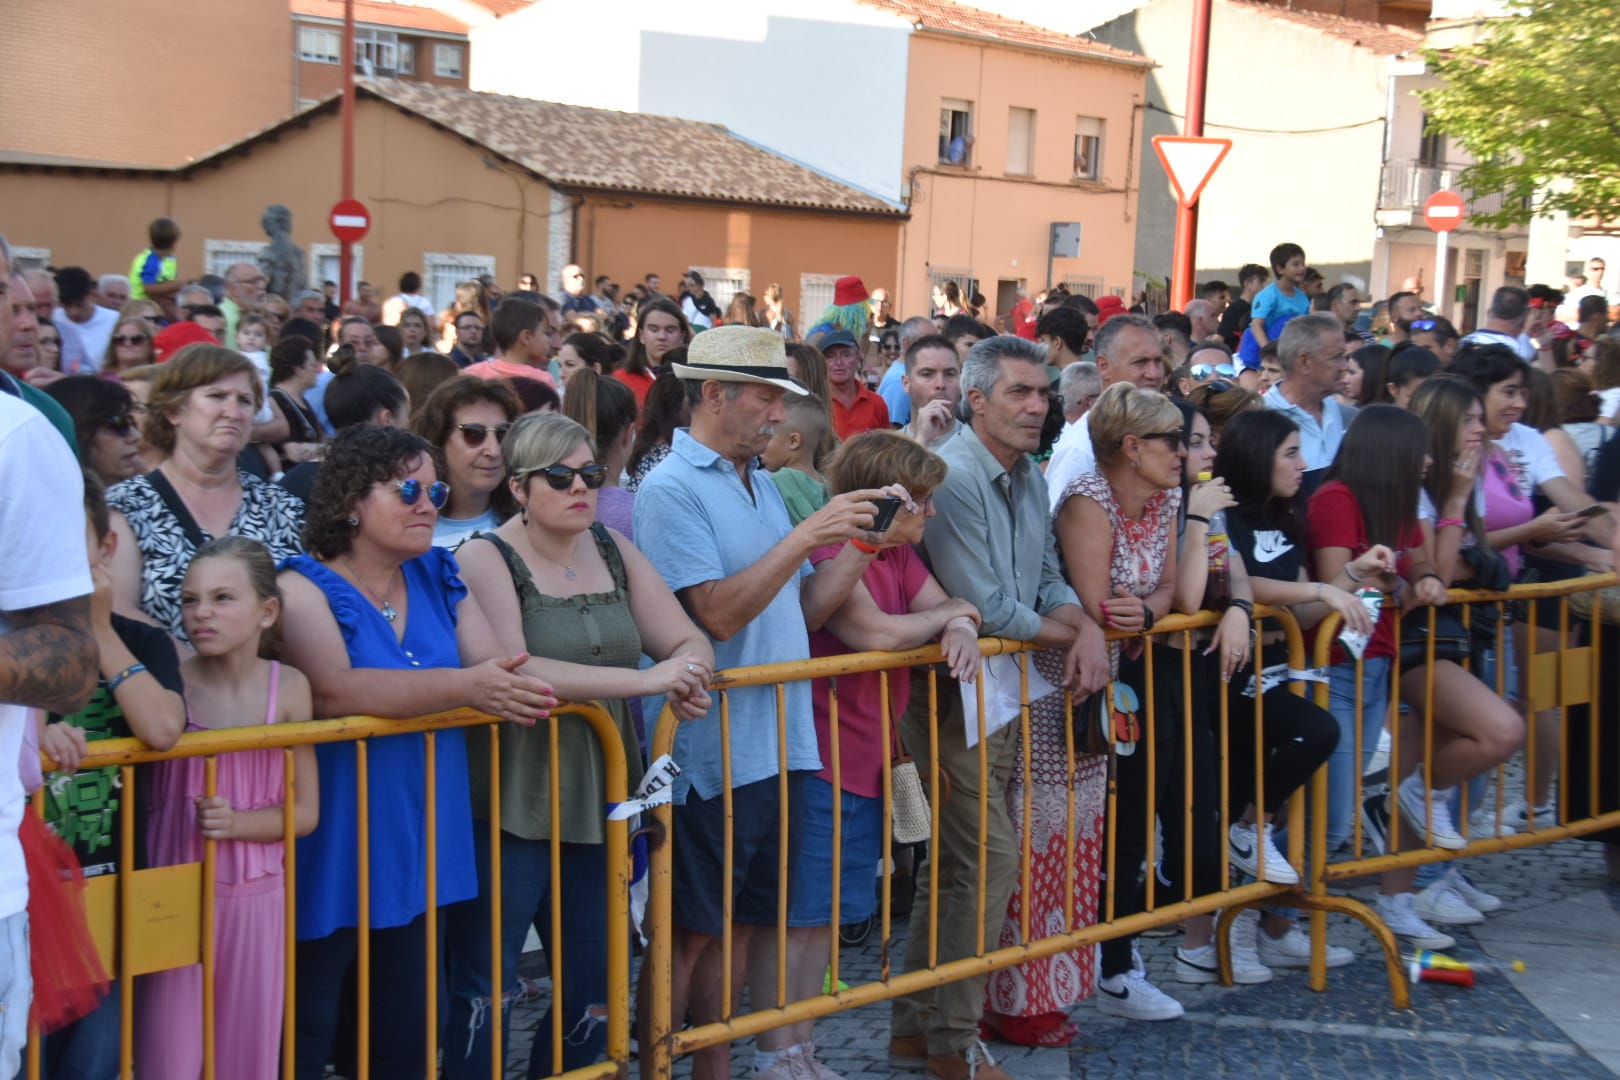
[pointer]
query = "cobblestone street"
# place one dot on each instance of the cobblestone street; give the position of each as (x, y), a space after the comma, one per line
(1560, 1018)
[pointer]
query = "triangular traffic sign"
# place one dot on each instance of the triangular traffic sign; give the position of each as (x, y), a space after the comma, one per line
(1190, 162)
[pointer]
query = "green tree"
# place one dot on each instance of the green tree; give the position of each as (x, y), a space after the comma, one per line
(1534, 104)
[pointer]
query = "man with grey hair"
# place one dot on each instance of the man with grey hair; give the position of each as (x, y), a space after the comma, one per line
(1079, 386)
(310, 304)
(1128, 350)
(193, 296)
(1310, 352)
(19, 327)
(991, 544)
(891, 388)
(112, 291)
(245, 283)
(1206, 324)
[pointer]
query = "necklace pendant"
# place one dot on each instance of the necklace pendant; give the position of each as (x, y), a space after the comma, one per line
(388, 611)
(568, 572)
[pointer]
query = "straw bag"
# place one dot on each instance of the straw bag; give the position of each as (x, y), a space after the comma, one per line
(911, 822)
(1580, 604)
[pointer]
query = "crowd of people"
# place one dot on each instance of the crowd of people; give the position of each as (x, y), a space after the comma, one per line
(294, 508)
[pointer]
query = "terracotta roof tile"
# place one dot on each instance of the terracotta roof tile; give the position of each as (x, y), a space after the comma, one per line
(503, 8)
(377, 13)
(1379, 38)
(945, 15)
(615, 151)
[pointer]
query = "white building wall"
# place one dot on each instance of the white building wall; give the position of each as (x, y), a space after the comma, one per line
(823, 84)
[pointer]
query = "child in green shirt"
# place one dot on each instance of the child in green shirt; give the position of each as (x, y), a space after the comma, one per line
(791, 456)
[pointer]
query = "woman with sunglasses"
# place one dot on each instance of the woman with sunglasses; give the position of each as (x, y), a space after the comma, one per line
(130, 346)
(584, 604)
(200, 416)
(378, 619)
(49, 344)
(109, 428)
(466, 418)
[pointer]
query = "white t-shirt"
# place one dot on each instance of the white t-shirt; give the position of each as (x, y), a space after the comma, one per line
(84, 345)
(1521, 344)
(1530, 456)
(42, 520)
(1072, 457)
(261, 361)
(450, 532)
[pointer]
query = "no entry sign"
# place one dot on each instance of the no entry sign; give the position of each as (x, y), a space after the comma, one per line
(1444, 211)
(350, 220)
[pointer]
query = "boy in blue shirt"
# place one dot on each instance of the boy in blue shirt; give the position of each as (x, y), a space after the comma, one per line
(1284, 298)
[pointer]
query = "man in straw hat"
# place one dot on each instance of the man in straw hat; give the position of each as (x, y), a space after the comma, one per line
(728, 550)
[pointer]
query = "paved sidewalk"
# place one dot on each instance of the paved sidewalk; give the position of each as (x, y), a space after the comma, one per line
(1561, 1018)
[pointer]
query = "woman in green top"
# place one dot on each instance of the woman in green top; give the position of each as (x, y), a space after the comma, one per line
(584, 604)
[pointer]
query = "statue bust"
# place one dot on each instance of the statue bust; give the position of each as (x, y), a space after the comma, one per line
(281, 260)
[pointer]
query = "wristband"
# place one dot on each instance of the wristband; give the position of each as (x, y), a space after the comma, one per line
(1147, 619)
(118, 680)
(861, 545)
(1198, 517)
(1350, 572)
(1436, 577)
(1458, 522)
(1246, 606)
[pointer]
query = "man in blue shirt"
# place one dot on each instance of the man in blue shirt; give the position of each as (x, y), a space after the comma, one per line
(1310, 352)
(728, 551)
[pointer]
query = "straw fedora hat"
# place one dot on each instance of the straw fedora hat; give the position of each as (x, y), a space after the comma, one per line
(738, 354)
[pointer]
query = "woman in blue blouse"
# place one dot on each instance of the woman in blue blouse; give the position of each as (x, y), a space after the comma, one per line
(382, 625)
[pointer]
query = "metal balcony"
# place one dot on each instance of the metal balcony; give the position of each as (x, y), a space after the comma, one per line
(1407, 183)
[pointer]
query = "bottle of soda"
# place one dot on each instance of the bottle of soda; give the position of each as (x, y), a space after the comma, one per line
(1218, 587)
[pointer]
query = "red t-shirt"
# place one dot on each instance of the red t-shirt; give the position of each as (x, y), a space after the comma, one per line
(1023, 319)
(639, 384)
(866, 413)
(1334, 520)
(893, 578)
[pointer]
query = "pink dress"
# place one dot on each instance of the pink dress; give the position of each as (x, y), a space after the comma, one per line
(249, 917)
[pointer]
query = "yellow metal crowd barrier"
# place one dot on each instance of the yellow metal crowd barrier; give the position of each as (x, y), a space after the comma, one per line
(1570, 676)
(664, 1040)
(155, 919)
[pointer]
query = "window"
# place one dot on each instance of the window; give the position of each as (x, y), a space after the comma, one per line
(1088, 146)
(376, 52)
(955, 132)
(1020, 142)
(407, 58)
(1084, 286)
(221, 255)
(966, 283)
(442, 273)
(447, 61)
(324, 264)
(724, 282)
(319, 46)
(815, 296)
(1432, 145)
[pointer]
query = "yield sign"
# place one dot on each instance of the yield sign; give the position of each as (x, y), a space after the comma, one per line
(1190, 162)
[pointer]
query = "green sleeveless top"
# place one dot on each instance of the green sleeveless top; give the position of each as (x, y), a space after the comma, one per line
(591, 628)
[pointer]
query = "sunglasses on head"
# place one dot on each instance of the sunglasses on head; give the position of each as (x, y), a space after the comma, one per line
(1204, 371)
(561, 477)
(410, 491)
(474, 433)
(1423, 324)
(120, 425)
(129, 339)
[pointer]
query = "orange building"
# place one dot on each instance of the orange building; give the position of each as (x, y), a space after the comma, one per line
(459, 184)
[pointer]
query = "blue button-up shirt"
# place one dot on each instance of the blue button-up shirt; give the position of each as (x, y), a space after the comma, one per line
(1318, 441)
(708, 527)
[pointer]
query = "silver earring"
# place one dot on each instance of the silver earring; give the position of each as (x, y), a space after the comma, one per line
(354, 522)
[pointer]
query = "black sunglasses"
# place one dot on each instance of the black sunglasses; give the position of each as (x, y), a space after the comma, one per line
(1174, 438)
(129, 339)
(121, 425)
(561, 477)
(410, 491)
(474, 433)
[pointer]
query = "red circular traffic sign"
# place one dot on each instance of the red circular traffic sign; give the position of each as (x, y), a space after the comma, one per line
(350, 220)
(1444, 211)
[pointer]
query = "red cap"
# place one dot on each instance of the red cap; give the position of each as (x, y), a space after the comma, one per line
(1109, 305)
(849, 290)
(171, 339)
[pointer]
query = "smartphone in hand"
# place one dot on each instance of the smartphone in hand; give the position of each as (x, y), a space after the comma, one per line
(887, 507)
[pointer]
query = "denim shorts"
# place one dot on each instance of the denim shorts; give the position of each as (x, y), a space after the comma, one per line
(862, 828)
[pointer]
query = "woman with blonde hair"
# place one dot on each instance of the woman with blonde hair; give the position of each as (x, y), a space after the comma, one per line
(776, 316)
(740, 312)
(129, 347)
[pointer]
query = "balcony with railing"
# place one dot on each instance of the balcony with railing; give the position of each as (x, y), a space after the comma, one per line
(1407, 183)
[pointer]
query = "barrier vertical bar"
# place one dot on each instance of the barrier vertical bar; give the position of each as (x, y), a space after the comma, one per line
(1111, 818)
(1028, 827)
(1428, 733)
(886, 878)
(430, 807)
(554, 953)
(362, 798)
(837, 831)
(1186, 765)
(1594, 801)
(1564, 644)
(1152, 750)
(1259, 766)
(1070, 802)
(984, 821)
(729, 871)
(1530, 721)
(497, 1011)
(782, 817)
(933, 809)
(289, 871)
(126, 911)
(209, 974)
(657, 1053)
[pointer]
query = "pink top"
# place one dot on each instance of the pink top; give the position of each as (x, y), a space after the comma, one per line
(505, 369)
(893, 578)
(1506, 503)
(250, 779)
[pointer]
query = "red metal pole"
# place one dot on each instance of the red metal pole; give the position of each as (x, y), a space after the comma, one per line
(345, 249)
(1186, 247)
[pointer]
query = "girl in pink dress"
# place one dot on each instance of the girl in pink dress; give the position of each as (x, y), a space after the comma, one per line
(230, 606)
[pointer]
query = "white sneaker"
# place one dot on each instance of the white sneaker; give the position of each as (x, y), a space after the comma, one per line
(1482, 822)
(1440, 903)
(1132, 997)
(1201, 966)
(1378, 765)
(1398, 914)
(1440, 832)
(1518, 815)
(1245, 843)
(1473, 895)
(1293, 950)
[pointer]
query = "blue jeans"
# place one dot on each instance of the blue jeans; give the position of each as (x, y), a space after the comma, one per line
(86, 1049)
(1349, 761)
(526, 901)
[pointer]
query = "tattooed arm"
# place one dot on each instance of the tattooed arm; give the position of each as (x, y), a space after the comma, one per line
(48, 656)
